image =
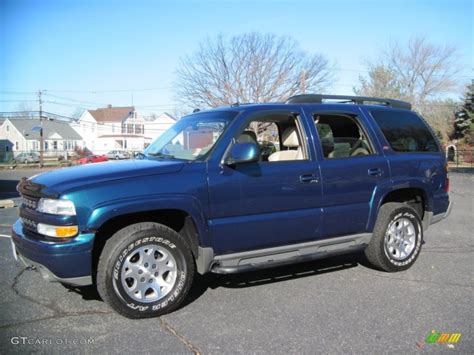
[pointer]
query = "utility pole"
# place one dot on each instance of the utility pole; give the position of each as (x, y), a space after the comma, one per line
(41, 127)
(303, 82)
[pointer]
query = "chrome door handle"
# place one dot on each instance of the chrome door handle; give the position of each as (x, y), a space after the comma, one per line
(310, 179)
(375, 172)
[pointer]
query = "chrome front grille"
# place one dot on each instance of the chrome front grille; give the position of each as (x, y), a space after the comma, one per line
(29, 224)
(29, 202)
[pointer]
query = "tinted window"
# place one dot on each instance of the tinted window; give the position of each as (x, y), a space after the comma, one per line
(341, 136)
(405, 131)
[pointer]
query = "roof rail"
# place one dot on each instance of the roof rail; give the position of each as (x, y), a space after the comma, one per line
(359, 100)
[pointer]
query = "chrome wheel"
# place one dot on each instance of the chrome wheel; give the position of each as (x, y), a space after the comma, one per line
(149, 273)
(400, 239)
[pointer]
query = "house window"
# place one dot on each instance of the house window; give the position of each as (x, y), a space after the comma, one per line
(16, 145)
(125, 143)
(139, 129)
(8, 128)
(46, 145)
(55, 145)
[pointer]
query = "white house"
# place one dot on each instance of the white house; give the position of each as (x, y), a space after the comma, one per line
(23, 135)
(156, 125)
(121, 128)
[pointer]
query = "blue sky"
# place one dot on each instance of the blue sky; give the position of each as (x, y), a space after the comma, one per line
(100, 52)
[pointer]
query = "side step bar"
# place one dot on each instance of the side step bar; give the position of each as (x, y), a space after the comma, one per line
(288, 254)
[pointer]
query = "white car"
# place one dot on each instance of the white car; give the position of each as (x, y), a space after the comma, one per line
(117, 154)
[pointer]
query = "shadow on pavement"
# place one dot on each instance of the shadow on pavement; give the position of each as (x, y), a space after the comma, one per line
(273, 275)
(8, 189)
(252, 278)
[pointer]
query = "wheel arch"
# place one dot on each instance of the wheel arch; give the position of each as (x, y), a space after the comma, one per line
(106, 222)
(415, 196)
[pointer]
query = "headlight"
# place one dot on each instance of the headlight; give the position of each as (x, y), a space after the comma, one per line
(59, 207)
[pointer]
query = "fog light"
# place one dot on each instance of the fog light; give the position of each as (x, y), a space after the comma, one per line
(57, 231)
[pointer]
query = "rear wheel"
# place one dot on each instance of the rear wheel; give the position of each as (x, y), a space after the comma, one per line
(397, 238)
(145, 270)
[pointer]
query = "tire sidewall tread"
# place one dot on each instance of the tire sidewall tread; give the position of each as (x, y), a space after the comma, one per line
(129, 238)
(376, 251)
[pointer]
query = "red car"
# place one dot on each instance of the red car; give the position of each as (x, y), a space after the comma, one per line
(92, 159)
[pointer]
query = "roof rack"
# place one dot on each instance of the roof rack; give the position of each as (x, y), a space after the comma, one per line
(359, 100)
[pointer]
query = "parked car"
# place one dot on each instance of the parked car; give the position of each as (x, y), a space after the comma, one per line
(118, 154)
(26, 158)
(92, 159)
(353, 174)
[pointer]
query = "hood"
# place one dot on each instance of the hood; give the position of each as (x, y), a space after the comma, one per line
(55, 182)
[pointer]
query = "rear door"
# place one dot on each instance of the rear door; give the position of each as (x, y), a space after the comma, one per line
(353, 168)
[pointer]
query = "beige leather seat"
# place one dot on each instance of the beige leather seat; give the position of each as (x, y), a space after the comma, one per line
(290, 140)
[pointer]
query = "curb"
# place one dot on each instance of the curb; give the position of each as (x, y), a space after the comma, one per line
(7, 204)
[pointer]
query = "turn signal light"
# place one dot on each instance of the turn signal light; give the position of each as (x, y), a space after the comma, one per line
(57, 231)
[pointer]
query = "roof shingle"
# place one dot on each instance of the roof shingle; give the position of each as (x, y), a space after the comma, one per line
(112, 114)
(25, 126)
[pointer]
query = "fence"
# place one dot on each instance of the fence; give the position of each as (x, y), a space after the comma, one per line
(461, 158)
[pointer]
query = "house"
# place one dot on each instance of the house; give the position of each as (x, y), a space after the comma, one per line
(23, 135)
(156, 125)
(121, 128)
(111, 128)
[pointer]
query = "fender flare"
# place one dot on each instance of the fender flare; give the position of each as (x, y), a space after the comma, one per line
(186, 203)
(381, 192)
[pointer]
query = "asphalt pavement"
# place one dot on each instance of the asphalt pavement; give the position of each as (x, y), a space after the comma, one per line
(338, 305)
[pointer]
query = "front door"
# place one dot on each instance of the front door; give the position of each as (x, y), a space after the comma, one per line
(274, 202)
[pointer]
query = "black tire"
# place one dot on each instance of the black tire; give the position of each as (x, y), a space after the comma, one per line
(121, 247)
(378, 252)
(117, 157)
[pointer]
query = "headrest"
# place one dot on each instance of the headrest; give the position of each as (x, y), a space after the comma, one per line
(248, 137)
(290, 138)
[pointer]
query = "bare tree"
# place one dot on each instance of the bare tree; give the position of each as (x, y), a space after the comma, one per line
(24, 110)
(77, 113)
(418, 71)
(249, 68)
(380, 82)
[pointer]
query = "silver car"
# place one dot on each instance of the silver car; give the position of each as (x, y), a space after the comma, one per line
(25, 158)
(117, 154)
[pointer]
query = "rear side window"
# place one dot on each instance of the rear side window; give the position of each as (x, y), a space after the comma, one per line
(405, 131)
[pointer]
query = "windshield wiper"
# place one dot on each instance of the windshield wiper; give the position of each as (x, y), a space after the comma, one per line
(161, 155)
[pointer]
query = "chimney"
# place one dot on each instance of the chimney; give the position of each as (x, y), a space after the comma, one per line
(109, 106)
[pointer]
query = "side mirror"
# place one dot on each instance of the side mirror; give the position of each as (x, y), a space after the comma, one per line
(243, 153)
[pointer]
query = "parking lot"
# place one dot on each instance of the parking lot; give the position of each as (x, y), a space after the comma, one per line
(338, 305)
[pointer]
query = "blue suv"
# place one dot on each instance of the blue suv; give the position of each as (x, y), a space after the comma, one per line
(235, 189)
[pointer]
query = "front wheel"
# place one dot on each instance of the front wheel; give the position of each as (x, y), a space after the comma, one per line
(145, 270)
(397, 238)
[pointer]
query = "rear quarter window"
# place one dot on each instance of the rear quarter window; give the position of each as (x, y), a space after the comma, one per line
(405, 131)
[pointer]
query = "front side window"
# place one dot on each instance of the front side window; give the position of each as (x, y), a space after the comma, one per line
(405, 131)
(278, 137)
(192, 137)
(341, 136)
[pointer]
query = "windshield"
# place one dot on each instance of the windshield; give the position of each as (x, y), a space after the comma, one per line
(192, 137)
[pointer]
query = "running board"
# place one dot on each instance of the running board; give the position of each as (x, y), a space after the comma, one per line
(288, 254)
